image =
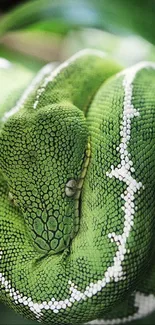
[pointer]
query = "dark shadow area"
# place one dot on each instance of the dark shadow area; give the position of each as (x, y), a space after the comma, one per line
(6, 5)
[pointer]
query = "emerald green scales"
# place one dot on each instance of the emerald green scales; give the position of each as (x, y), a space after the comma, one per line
(77, 190)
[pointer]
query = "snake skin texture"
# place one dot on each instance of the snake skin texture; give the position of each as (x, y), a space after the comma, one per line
(77, 180)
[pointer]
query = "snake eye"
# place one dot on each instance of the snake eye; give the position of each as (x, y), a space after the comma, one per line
(10, 196)
(71, 187)
(12, 199)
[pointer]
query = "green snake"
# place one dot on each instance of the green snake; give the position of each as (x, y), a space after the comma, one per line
(77, 190)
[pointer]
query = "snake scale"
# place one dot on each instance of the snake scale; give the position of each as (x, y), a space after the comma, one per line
(77, 188)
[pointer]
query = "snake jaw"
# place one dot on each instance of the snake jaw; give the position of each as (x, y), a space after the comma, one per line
(79, 186)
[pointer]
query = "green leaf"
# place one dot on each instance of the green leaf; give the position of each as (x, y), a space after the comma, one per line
(25, 60)
(117, 16)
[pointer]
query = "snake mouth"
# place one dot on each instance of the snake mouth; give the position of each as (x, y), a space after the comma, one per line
(84, 171)
(79, 187)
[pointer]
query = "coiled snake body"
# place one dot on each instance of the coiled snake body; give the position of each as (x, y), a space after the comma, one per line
(77, 191)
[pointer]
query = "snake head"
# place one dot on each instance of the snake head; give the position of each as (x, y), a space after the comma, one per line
(41, 157)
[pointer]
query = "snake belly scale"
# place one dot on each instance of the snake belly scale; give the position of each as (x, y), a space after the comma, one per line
(77, 189)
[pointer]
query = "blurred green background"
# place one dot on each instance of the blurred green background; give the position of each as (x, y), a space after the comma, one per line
(39, 31)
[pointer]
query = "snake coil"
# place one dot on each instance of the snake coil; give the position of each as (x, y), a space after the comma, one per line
(77, 192)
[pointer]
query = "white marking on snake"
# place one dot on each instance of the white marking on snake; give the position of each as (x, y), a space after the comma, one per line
(5, 64)
(33, 85)
(63, 66)
(145, 305)
(123, 173)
